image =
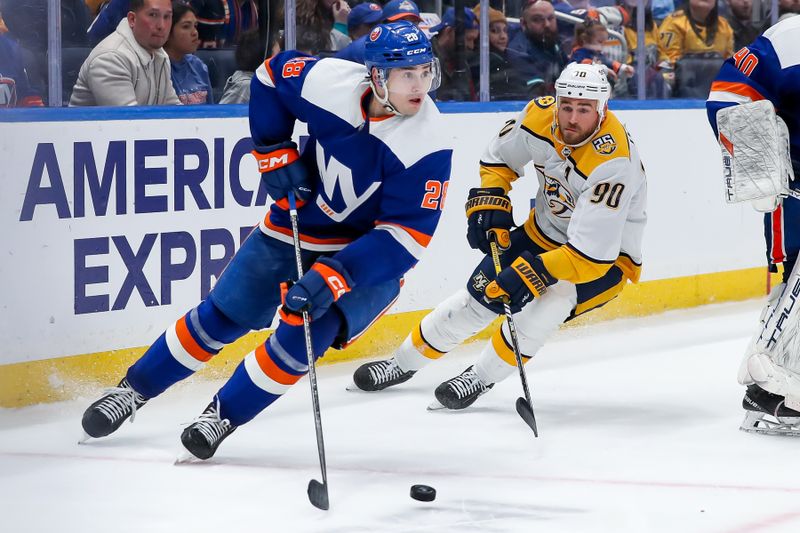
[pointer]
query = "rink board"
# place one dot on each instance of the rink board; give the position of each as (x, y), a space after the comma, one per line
(117, 221)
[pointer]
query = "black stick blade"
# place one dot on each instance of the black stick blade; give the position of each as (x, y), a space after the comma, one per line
(318, 494)
(526, 412)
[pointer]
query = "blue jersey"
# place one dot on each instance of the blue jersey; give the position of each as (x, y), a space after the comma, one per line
(767, 69)
(379, 184)
(354, 51)
(190, 81)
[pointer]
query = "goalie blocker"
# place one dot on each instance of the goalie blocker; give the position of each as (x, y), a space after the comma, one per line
(756, 162)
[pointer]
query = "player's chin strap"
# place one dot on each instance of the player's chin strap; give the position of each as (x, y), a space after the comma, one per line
(385, 100)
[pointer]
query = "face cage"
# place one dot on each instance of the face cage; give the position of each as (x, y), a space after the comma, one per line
(436, 75)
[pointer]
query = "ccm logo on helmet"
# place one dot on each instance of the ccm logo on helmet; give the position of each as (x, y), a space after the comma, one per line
(374, 34)
(416, 51)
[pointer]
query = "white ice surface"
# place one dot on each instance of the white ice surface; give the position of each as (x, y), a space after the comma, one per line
(638, 428)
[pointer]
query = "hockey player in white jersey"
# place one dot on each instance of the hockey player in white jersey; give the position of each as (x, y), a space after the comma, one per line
(576, 251)
(754, 108)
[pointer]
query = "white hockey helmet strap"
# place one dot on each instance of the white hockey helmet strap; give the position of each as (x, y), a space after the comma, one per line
(588, 82)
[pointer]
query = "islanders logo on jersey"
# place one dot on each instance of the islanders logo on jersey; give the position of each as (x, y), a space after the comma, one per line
(605, 144)
(374, 34)
(559, 199)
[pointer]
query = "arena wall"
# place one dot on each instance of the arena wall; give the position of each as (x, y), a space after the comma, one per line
(115, 221)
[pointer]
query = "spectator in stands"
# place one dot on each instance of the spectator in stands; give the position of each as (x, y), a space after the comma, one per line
(590, 36)
(661, 9)
(242, 17)
(696, 40)
(540, 57)
(107, 19)
(249, 56)
(504, 82)
(696, 28)
(212, 19)
(740, 17)
(657, 66)
(189, 74)
(457, 82)
(362, 18)
(402, 10)
(788, 8)
(130, 67)
(328, 19)
(27, 24)
(392, 12)
(656, 54)
(15, 90)
(27, 21)
(95, 6)
(215, 21)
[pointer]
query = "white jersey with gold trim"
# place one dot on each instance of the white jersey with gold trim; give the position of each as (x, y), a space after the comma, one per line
(591, 199)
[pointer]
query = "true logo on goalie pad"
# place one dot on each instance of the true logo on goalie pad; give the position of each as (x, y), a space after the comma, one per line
(785, 313)
(605, 145)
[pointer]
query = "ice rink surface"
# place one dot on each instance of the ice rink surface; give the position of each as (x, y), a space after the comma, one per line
(638, 423)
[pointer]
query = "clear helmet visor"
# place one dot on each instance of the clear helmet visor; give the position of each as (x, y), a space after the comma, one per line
(410, 81)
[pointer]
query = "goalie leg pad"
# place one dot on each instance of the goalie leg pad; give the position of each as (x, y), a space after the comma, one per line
(773, 357)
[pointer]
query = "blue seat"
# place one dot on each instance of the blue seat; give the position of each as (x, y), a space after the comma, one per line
(221, 65)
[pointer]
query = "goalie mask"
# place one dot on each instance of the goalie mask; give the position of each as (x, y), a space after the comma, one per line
(399, 45)
(587, 82)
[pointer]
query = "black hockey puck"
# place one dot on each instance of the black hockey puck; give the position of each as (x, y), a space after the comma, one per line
(423, 493)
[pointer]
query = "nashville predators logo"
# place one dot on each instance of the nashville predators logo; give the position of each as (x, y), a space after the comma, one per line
(544, 101)
(559, 199)
(605, 144)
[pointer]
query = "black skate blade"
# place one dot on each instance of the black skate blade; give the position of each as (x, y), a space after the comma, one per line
(526, 412)
(318, 494)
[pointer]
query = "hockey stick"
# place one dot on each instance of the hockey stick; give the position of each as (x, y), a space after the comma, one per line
(317, 492)
(524, 405)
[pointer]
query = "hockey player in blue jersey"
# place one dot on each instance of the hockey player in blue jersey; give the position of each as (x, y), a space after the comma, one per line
(370, 184)
(754, 108)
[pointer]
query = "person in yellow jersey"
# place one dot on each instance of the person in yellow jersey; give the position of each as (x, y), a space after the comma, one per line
(576, 251)
(696, 28)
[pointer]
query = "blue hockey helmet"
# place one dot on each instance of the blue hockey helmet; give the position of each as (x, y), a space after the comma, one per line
(398, 44)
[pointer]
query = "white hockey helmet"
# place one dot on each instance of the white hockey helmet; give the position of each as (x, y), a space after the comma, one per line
(587, 81)
(583, 80)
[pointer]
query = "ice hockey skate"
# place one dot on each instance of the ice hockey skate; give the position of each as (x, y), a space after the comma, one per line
(203, 436)
(459, 392)
(767, 414)
(107, 414)
(379, 375)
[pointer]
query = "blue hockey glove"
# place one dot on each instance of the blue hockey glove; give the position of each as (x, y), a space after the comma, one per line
(282, 171)
(488, 211)
(324, 283)
(525, 279)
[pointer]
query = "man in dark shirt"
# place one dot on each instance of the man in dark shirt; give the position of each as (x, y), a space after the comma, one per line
(457, 81)
(539, 58)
